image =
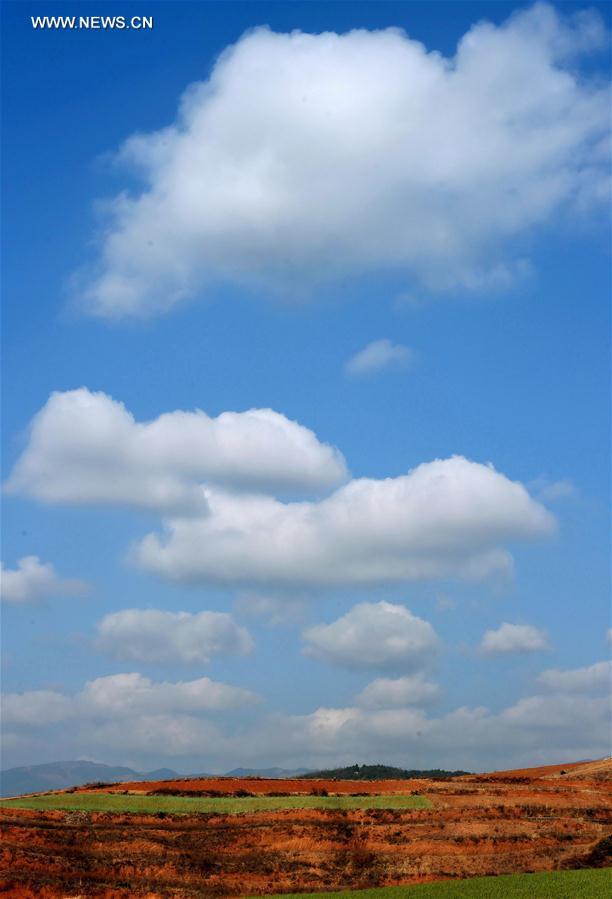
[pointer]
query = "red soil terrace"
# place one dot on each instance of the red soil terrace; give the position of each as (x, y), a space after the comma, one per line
(502, 823)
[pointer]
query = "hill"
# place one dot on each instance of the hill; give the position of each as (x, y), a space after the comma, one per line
(597, 770)
(379, 772)
(61, 775)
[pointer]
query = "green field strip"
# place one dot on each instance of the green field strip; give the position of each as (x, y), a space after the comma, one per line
(231, 805)
(586, 883)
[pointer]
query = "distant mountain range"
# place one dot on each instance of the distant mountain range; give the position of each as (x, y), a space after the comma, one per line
(61, 775)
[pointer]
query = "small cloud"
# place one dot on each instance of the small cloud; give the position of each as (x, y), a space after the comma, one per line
(445, 603)
(386, 693)
(509, 638)
(379, 635)
(550, 491)
(276, 609)
(378, 355)
(35, 581)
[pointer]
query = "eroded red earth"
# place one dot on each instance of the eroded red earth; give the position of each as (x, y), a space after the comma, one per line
(483, 824)
(264, 786)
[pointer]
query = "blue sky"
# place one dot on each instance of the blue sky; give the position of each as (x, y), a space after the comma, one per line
(390, 192)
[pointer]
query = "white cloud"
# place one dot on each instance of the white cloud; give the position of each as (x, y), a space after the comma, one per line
(86, 448)
(130, 719)
(377, 355)
(447, 518)
(578, 680)
(151, 635)
(133, 694)
(373, 635)
(513, 638)
(307, 157)
(122, 714)
(34, 581)
(175, 735)
(35, 708)
(535, 730)
(120, 696)
(385, 693)
(558, 713)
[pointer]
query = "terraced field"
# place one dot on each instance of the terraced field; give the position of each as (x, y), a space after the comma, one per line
(189, 805)
(181, 846)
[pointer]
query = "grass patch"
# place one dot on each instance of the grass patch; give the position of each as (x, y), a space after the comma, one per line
(588, 883)
(185, 805)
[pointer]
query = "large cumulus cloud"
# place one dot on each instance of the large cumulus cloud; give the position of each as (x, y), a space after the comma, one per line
(220, 487)
(85, 448)
(448, 518)
(305, 157)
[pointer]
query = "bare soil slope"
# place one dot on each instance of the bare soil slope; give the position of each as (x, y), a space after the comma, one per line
(574, 768)
(260, 786)
(486, 825)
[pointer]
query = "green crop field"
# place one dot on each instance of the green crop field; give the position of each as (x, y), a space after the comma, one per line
(185, 805)
(583, 884)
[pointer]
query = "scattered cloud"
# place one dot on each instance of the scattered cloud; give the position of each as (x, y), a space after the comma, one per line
(133, 694)
(178, 735)
(35, 581)
(121, 696)
(86, 448)
(445, 603)
(151, 635)
(448, 518)
(378, 355)
(378, 635)
(386, 693)
(187, 722)
(509, 638)
(578, 680)
(307, 157)
(551, 491)
(275, 608)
